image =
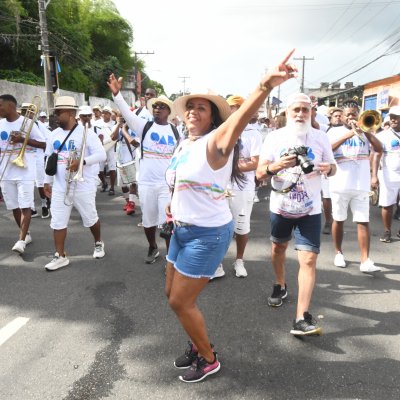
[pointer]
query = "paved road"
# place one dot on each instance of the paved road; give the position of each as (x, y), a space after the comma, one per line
(102, 329)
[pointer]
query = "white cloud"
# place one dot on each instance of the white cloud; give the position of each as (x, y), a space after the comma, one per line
(227, 44)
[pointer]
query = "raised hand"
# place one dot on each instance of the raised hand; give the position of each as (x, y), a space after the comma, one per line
(114, 84)
(281, 72)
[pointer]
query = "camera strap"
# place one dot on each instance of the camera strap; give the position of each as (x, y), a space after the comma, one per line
(288, 189)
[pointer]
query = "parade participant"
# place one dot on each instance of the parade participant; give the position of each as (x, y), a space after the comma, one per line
(39, 179)
(241, 201)
(199, 172)
(158, 142)
(294, 157)
(85, 116)
(104, 134)
(389, 173)
(352, 183)
(69, 141)
(97, 122)
(335, 121)
(17, 183)
(43, 119)
(126, 158)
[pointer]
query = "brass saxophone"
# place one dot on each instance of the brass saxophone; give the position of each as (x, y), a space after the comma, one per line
(73, 178)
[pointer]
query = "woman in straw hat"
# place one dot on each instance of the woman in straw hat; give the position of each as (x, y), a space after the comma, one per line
(199, 173)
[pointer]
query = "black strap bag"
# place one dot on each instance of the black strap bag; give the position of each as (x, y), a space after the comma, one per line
(51, 164)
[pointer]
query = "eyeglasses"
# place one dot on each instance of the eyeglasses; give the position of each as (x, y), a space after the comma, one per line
(160, 106)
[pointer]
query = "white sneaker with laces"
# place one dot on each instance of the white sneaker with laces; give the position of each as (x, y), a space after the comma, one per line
(28, 238)
(219, 272)
(369, 266)
(99, 250)
(19, 247)
(339, 261)
(57, 262)
(239, 268)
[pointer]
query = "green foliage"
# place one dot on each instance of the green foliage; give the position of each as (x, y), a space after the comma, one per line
(89, 38)
(21, 77)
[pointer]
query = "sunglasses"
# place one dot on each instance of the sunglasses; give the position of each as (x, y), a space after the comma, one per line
(160, 106)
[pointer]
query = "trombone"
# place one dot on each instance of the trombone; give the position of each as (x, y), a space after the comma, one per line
(73, 178)
(25, 130)
(369, 121)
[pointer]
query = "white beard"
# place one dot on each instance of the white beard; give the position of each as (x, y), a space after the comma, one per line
(299, 129)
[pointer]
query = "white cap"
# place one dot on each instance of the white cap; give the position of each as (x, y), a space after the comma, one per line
(298, 98)
(107, 109)
(85, 110)
(395, 110)
(43, 114)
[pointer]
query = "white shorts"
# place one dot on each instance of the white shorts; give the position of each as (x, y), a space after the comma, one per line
(241, 205)
(111, 161)
(326, 194)
(153, 201)
(359, 205)
(84, 202)
(39, 171)
(18, 194)
(388, 191)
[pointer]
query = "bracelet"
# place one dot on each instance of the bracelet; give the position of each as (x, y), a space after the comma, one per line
(265, 87)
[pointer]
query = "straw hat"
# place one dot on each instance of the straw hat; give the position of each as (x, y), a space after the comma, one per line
(65, 103)
(220, 103)
(161, 99)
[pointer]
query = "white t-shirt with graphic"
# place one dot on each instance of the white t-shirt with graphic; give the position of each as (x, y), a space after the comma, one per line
(305, 197)
(94, 154)
(12, 172)
(250, 146)
(353, 166)
(199, 191)
(158, 145)
(390, 161)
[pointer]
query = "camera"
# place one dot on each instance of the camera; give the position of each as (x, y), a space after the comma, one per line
(301, 158)
(166, 230)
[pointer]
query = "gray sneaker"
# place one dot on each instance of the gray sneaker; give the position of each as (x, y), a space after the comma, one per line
(152, 255)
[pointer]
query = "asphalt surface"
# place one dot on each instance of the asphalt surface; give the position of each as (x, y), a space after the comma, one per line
(102, 329)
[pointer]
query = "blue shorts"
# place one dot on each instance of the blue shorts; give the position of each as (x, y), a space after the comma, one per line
(197, 251)
(307, 231)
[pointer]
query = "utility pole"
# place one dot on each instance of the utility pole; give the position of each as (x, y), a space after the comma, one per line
(45, 54)
(184, 82)
(135, 70)
(304, 59)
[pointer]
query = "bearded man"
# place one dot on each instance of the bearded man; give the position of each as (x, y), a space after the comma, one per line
(294, 158)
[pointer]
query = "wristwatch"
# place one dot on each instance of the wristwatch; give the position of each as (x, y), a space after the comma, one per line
(270, 173)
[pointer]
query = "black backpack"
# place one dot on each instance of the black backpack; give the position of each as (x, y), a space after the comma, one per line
(149, 125)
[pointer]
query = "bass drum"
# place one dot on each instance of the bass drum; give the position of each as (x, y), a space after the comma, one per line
(127, 172)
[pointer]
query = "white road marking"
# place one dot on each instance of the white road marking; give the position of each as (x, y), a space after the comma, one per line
(12, 328)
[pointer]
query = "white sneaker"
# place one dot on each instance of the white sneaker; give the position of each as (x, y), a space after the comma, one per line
(256, 199)
(57, 262)
(99, 250)
(28, 238)
(219, 272)
(239, 268)
(339, 261)
(369, 266)
(19, 247)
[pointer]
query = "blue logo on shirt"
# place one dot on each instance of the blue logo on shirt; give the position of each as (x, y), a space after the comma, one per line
(4, 135)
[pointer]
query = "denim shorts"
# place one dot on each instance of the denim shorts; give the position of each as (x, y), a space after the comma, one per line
(307, 231)
(197, 251)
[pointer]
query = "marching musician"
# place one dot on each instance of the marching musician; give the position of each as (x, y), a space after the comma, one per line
(351, 185)
(17, 183)
(66, 194)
